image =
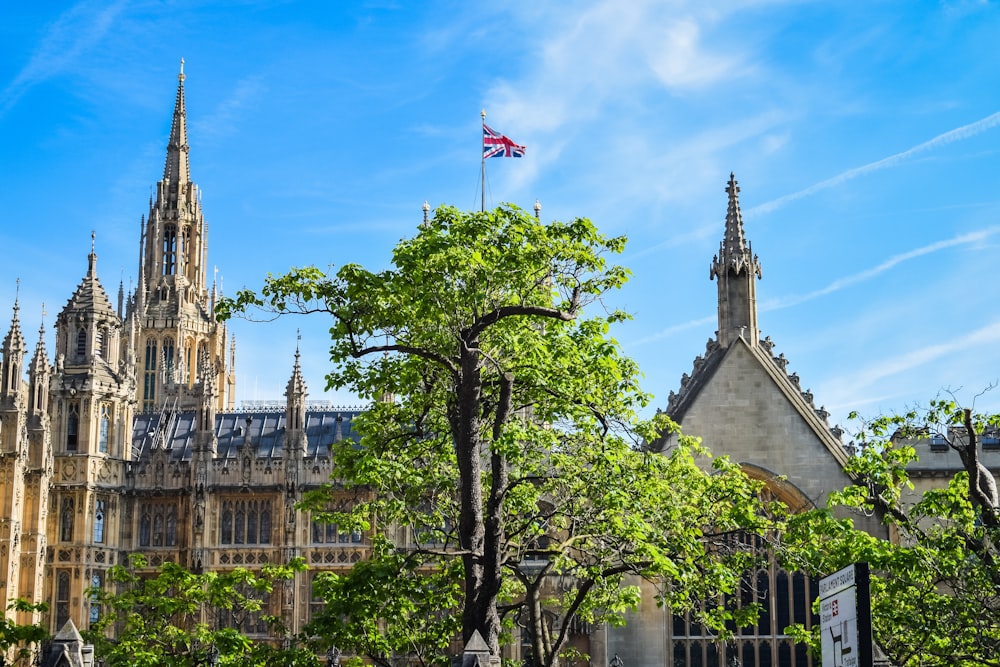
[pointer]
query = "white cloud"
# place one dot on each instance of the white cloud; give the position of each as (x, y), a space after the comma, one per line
(222, 119)
(868, 274)
(680, 61)
(62, 47)
(851, 390)
(943, 139)
(607, 55)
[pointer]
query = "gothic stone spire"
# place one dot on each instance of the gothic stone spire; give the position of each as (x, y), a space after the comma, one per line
(735, 268)
(177, 169)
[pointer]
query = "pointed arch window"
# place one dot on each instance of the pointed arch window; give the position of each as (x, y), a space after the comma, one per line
(171, 536)
(169, 250)
(239, 523)
(96, 583)
(187, 251)
(265, 523)
(227, 522)
(73, 427)
(62, 598)
(158, 525)
(41, 393)
(158, 529)
(168, 358)
(144, 529)
(99, 522)
(81, 343)
(100, 343)
(252, 525)
(149, 377)
(66, 520)
(103, 428)
(245, 522)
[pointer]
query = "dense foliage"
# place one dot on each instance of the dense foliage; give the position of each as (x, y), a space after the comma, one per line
(178, 618)
(502, 462)
(936, 583)
(21, 640)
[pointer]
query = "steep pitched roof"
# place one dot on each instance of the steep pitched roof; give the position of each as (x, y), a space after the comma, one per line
(775, 367)
(90, 295)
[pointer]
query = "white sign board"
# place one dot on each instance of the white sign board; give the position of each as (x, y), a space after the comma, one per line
(846, 635)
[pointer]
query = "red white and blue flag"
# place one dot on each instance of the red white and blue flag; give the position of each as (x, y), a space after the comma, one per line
(497, 145)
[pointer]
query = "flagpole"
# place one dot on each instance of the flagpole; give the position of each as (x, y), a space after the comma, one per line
(482, 160)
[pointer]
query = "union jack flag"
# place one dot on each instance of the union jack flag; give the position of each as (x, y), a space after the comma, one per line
(497, 145)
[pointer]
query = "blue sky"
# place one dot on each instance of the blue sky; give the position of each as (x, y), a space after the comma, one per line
(865, 137)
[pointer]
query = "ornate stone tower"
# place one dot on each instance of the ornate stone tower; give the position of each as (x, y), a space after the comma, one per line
(37, 478)
(92, 404)
(294, 454)
(203, 452)
(175, 325)
(13, 456)
(735, 267)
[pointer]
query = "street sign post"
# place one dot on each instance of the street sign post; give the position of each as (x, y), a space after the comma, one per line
(845, 614)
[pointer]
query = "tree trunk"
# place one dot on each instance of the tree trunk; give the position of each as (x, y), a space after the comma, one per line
(480, 609)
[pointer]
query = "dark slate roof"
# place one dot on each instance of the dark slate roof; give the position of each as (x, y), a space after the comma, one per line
(265, 432)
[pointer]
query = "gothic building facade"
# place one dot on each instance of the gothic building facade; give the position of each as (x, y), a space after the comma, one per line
(127, 442)
(743, 402)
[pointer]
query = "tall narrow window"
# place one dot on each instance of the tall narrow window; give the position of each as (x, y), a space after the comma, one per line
(239, 523)
(99, 522)
(265, 522)
(149, 378)
(100, 343)
(95, 587)
(188, 254)
(62, 598)
(73, 427)
(171, 526)
(168, 358)
(169, 249)
(227, 523)
(66, 520)
(81, 344)
(158, 527)
(103, 428)
(316, 601)
(252, 522)
(144, 527)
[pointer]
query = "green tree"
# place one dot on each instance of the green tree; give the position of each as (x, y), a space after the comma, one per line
(180, 618)
(507, 476)
(936, 583)
(21, 640)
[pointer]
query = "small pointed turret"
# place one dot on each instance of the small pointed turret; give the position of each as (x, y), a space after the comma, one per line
(295, 393)
(38, 372)
(177, 169)
(13, 355)
(735, 267)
